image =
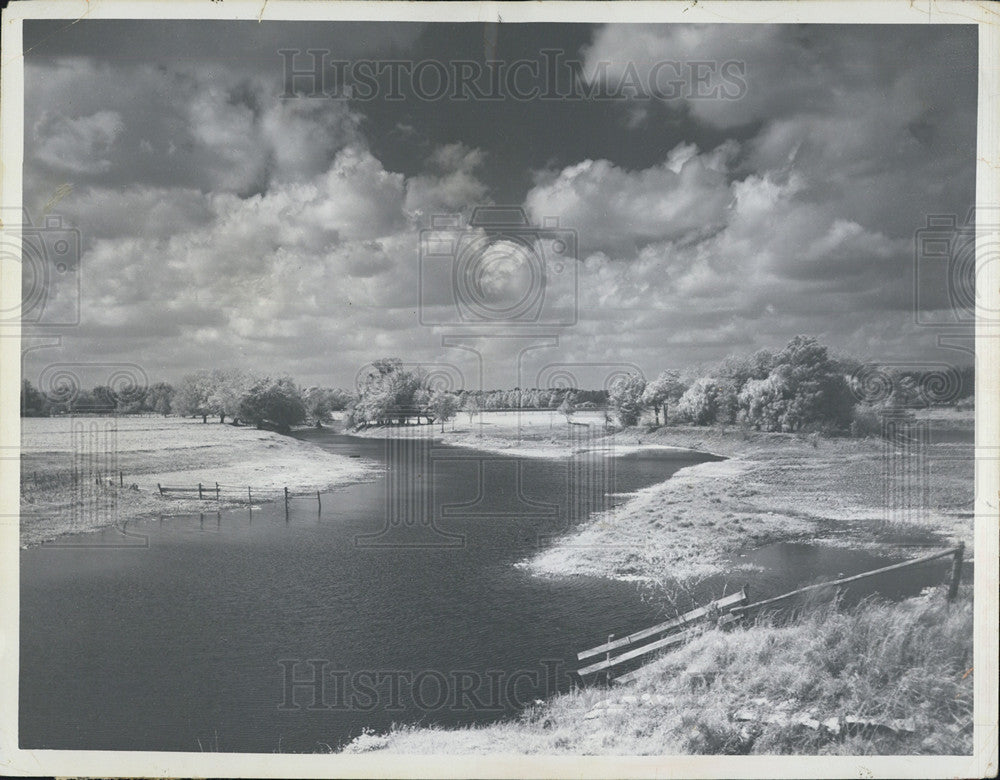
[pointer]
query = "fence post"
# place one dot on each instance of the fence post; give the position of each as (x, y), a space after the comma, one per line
(160, 488)
(286, 504)
(121, 479)
(216, 491)
(956, 571)
(199, 493)
(249, 496)
(319, 501)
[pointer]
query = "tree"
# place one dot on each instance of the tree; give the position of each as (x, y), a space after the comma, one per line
(665, 389)
(804, 387)
(567, 408)
(709, 400)
(33, 403)
(818, 393)
(159, 398)
(442, 406)
(471, 406)
(102, 399)
(227, 388)
(339, 399)
(275, 401)
(625, 397)
(421, 403)
(317, 403)
(387, 393)
(763, 402)
(129, 399)
(742, 368)
(192, 397)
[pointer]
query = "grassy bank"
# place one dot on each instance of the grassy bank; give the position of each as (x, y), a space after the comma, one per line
(147, 451)
(772, 487)
(790, 687)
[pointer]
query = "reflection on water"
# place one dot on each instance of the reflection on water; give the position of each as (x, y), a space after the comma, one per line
(195, 637)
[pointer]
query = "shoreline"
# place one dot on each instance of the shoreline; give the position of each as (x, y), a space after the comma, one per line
(769, 488)
(168, 451)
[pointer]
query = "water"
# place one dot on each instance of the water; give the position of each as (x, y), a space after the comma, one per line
(188, 633)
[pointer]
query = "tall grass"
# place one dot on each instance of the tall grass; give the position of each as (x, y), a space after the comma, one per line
(882, 662)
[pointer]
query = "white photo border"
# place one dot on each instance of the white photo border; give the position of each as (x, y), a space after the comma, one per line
(983, 762)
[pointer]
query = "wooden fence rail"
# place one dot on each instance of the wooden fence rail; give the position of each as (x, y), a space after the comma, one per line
(685, 621)
(956, 574)
(730, 608)
(208, 492)
(682, 620)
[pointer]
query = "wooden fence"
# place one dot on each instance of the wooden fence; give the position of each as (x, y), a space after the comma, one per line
(215, 492)
(729, 609)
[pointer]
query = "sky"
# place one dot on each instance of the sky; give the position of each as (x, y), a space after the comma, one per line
(225, 222)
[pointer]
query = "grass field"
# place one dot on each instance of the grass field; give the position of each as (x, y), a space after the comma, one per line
(61, 458)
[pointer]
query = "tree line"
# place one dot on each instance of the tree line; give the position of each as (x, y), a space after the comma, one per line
(800, 387)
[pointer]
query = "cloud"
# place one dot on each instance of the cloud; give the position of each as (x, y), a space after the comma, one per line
(451, 184)
(619, 211)
(222, 225)
(212, 129)
(77, 145)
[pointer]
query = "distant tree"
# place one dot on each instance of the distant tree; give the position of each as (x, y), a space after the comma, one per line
(102, 399)
(317, 403)
(740, 369)
(339, 399)
(192, 396)
(129, 400)
(665, 389)
(763, 401)
(33, 403)
(804, 387)
(275, 401)
(566, 408)
(226, 391)
(471, 407)
(387, 391)
(443, 406)
(159, 398)
(708, 400)
(625, 397)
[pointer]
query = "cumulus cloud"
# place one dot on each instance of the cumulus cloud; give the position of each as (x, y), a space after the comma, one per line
(451, 184)
(619, 211)
(77, 145)
(221, 224)
(214, 129)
